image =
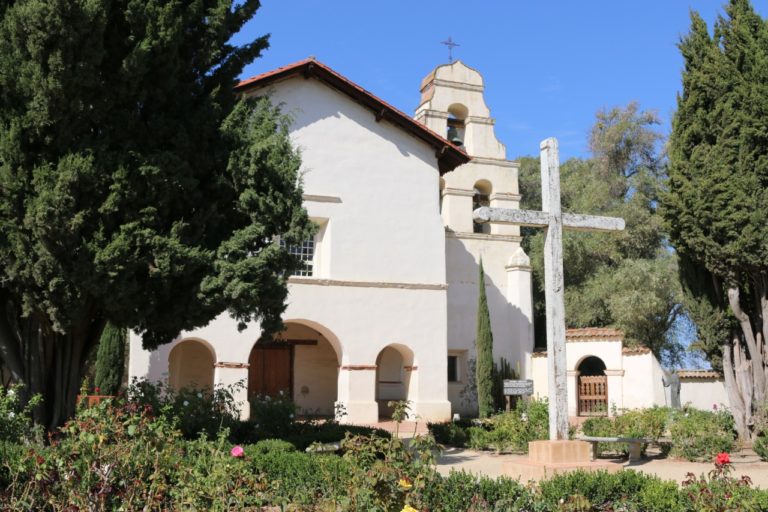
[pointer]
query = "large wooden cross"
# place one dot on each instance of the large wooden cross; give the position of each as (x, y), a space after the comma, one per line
(553, 221)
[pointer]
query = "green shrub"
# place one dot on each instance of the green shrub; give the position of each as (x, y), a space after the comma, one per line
(700, 435)
(105, 458)
(460, 492)
(301, 479)
(15, 419)
(600, 426)
(761, 447)
(602, 490)
(513, 430)
(718, 491)
(648, 423)
(195, 412)
(453, 433)
(270, 446)
(273, 416)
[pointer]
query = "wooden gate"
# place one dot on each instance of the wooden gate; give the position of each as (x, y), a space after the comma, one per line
(593, 395)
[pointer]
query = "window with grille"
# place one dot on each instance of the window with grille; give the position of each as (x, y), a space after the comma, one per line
(305, 252)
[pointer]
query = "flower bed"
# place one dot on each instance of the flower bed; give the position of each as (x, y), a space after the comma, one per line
(118, 455)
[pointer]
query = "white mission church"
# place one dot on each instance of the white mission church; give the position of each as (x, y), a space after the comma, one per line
(385, 305)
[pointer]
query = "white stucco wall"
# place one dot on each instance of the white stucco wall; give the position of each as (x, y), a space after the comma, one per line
(703, 393)
(634, 377)
(643, 386)
(380, 263)
(387, 225)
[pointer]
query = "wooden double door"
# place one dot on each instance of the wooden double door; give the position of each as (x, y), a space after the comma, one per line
(271, 370)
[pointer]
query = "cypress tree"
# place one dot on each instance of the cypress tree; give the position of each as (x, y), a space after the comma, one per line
(110, 360)
(135, 186)
(717, 204)
(484, 347)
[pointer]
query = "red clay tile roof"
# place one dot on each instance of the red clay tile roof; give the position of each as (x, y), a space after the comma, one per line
(699, 374)
(594, 333)
(635, 351)
(448, 155)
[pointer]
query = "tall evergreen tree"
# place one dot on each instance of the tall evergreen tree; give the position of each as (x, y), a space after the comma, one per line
(717, 205)
(134, 187)
(484, 348)
(110, 360)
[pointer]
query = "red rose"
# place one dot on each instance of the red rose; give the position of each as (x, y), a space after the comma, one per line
(722, 458)
(96, 389)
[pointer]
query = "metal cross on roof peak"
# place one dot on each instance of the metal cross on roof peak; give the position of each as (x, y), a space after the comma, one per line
(451, 45)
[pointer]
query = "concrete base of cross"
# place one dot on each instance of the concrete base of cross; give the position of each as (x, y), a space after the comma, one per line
(548, 458)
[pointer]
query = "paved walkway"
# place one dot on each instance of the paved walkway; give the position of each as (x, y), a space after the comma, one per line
(488, 463)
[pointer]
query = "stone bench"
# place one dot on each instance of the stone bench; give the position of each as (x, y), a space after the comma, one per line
(635, 444)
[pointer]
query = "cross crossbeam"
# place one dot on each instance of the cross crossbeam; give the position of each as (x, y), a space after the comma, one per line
(532, 218)
(553, 221)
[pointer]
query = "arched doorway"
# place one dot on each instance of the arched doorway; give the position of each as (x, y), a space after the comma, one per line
(301, 362)
(393, 376)
(593, 387)
(190, 365)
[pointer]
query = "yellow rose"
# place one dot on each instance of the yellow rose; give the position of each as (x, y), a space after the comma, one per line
(409, 508)
(405, 484)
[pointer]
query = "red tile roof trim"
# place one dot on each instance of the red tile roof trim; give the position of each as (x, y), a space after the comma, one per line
(635, 351)
(449, 156)
(594, 334)
(699, 374)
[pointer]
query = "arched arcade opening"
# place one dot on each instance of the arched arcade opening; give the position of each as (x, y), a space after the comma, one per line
(394, 366)
(190, 365)
(301, 362)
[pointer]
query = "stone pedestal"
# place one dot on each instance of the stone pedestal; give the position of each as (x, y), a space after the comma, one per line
(548, 458)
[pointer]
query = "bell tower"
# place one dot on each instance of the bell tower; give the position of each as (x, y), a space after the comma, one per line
(452, 104)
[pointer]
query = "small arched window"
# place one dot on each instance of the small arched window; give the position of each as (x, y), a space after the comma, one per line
(481, 197)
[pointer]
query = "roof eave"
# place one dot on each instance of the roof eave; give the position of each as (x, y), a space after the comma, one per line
(448, 155)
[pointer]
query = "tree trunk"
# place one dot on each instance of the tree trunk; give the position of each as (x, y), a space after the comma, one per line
(758, 373)
(46, 362)
(735, 396)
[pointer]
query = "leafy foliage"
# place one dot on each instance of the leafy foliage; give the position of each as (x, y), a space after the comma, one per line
(700, 435)
(513, 430)
(717, 204)
(624, 280)
(15, 417)
(121, 456)
(194, 412)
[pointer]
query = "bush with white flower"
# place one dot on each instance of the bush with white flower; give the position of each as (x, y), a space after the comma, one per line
(275, 416)
(194, 411)
(15, 418)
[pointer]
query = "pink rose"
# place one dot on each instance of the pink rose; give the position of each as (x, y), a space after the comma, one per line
(237, 451)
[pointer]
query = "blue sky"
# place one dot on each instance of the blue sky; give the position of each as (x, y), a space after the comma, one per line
(548, 67)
